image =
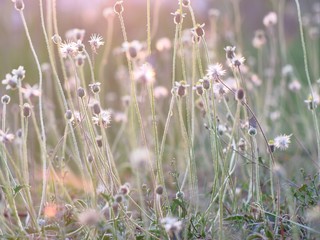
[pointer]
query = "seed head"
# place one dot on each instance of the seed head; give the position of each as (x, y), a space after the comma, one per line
(26, 110)
(69, 115)
(198, 30)
(178, 16)
(81, 93)
(239, 94)
(199, 88)
(95, 42)
(19, 5)
(5, 99)
(99, 141)
(159, 190)
(271, 145)
(252, 131)
(95, 87)
(118, 7)
(205, 83)
(230, 52)
(181, 88)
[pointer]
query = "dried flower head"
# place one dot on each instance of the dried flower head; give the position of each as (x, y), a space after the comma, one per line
(102, 118)
(11, 81)
(95, 87)
(118, 7)
(230, 52)
(26, 109)
(178, 16)
(95, 42)
(199, 88)
(5, 99)
(282, 141)
(205, 83)
(198, 30)
(18, 4)
(180, 88)
(237, 61)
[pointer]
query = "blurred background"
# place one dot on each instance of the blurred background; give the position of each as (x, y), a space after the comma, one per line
(88, 15)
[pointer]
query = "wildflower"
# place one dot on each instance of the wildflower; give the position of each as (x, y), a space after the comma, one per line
(75, 34)
(56, 39)
(180, 195)
(259, 39)
(185, 3)
(95, 87)
(5, 99)
(215, 71)
(19, 73)
(50, 210)
(172, 226)
(68, 49)
(178, 16)
(252, 131)
(271, 145)
(294, 85)
(80, 46)
(18, 4)
(159, 190)
(230, 52)
(270, 19)
(198, 30)
(199, 88)
(104, 116)
(205, 83)
(81, 93)
(80, 59)
(6, 137)
(68, 115)
(132, 48)
(125, 189)
(95, 42)
(163, 44)
(89, 217)
(239, 94)
(145, 74)
(29, 91)
(10, 81)
(118, 198)
(180, 88)
(26, 108)
(118, 7)
(237, 61)
(282, 141)
(311, 102)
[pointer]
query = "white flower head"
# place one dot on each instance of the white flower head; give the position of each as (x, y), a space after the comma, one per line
(282, 141)
(145, 74)
(68, 49)
(19, 73)
(270, 19)
(11, 81)
(29, 91)
(172, 225)
(6, 137)
(215, 71)
(95, 42)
